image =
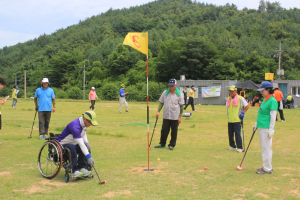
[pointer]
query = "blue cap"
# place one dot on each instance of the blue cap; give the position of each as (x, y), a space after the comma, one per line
(264, 85)
(172, 81)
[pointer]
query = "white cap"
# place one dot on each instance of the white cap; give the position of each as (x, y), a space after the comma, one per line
(93, 88)
(45, 80)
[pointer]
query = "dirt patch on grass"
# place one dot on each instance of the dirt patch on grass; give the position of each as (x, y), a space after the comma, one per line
(34, 189)
(134, 170)
(54, 183)
(117, 193)
(295, 192)
(289, 168)
(263, 195)
(4, 173)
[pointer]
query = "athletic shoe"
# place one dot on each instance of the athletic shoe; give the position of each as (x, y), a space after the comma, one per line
(262, 171)
(262, 168)
(94, 109)
(171, 148)
(159, 146)
(282, 120)
(127, 111)
(194, 110)
(120, 112)
(42, 137)
(85, 172)
(77, 174)
(231, 148)
(239, 150)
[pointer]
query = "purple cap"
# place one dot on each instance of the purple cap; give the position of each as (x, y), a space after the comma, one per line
(264, 85)
(172, 81)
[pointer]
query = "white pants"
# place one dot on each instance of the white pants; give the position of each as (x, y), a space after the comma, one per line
(123, 101)
(266, 148)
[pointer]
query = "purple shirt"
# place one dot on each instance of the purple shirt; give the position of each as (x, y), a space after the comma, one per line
(74, 128)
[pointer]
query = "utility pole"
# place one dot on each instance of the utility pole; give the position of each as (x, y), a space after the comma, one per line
(279, 72)
(25, 84)
(84, 80)
(16, 79)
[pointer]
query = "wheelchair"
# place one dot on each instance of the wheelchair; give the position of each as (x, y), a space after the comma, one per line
(53, 156)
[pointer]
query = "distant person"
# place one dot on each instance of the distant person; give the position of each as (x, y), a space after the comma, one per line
(279, 97)
(2, 102)
(237, 106)
(289, 100)
(243, 93)
(74, 138)
(255, 100)
(14, 93)
(265, 125)
(249, 98)
(92, 98)
(43, 98)
(122, 99)
(191, 99)
(185, 94)
(172, 101)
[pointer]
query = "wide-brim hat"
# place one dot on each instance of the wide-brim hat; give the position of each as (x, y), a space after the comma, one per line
(232, 88)
(90, 116)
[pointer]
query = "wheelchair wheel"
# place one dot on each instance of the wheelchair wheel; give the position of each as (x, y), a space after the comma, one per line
(50, 159)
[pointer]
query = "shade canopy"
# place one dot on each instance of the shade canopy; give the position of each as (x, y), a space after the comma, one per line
(247, 85)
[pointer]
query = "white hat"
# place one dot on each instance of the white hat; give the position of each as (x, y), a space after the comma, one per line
(45, 80)
(93, 88)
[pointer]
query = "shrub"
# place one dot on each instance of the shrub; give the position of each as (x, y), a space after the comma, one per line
(75, 93)
(110, 91)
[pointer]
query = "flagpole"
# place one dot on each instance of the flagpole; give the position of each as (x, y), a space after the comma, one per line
(148, 113)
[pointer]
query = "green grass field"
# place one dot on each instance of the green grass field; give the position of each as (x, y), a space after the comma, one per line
(119, 147)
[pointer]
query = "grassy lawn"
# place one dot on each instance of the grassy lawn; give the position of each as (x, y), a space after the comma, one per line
(119, 147)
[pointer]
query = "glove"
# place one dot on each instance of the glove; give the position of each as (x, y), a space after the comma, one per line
(270, 133)
(242, 116)
(254, 126)
(91, 161)
(126, 92)
(37, 108)
(89, 147)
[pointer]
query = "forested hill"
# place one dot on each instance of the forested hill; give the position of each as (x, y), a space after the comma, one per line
(201, 41)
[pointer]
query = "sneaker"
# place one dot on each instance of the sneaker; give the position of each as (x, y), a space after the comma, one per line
(77, 174)
(85, 172)
(159, 146)
(42, 137)
(120, 112)
(282, 120)
(194, 110)
(171, 148)
(239, 150)
(231, 148)
(94, 109)
(262, 168)
(127, 111)
(262, 171)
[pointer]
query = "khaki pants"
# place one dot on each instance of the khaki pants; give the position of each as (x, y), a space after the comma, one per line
(266, 148)
(123, 101)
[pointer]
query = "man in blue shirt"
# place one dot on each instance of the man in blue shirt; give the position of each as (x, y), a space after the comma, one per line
(43, 98)
(122, 99)
(75, 139)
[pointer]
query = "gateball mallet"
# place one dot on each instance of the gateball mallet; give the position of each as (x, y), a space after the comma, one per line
(100, 182)
(240, 167)
(32, 124)
(243, 134)
(153, 132)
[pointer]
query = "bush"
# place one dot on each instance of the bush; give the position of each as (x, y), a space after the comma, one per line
(60, 94)
(75, 93)
(110, 91)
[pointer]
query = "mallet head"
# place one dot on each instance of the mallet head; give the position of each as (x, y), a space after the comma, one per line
(103, 182)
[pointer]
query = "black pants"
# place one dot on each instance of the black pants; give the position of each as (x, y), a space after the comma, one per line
(167, 125)
(44, 121)
(191, 101)
(185, 98)
(235, 129)
(280, 112)
(93, 104)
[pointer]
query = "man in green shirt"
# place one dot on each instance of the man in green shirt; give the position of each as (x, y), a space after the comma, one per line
(14, 96)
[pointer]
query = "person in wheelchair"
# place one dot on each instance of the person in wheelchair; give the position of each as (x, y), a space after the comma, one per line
(75, 139)
(289, 101)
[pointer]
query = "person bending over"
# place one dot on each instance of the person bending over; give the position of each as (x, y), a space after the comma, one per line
(74, 138)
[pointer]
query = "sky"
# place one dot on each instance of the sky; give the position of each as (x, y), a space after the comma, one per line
(22, 20)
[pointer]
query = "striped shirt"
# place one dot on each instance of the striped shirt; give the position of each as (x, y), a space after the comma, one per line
(172, 104)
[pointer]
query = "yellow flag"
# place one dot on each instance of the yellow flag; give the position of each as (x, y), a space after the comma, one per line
(269, 76)
(138, 41)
